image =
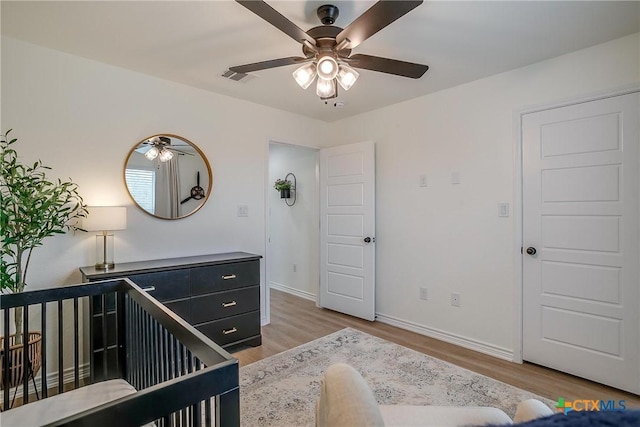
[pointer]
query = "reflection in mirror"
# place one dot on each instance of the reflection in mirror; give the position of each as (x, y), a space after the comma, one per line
(167, 176)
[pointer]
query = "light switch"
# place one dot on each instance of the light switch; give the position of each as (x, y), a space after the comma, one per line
(423, 180)
(503, 210)
(243, 210)
(455, 177)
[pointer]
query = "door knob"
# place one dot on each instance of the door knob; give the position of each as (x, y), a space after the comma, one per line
(531, 250)
(369, 239)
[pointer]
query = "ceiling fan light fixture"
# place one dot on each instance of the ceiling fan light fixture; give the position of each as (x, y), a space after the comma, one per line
(347, 76)
(327, 67)
(152, 153)
(305, 75)
(325, 88)
(165, 155)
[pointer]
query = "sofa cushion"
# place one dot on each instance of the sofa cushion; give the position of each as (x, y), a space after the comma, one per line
(346, 400)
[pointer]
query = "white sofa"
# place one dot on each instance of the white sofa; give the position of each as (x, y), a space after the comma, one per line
(347, 401)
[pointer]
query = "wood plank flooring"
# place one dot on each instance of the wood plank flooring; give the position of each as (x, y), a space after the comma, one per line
(295, 321)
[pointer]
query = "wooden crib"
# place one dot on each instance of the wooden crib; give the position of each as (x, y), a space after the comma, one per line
(163, 372)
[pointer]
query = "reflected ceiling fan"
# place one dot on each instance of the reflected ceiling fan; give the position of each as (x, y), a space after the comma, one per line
(160, 147)
(327, 48)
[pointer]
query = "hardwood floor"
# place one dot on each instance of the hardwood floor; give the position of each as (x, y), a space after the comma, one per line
(295, 321)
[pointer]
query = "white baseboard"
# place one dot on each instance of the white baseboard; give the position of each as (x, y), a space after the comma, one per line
(479, 346)
(293, 291)
(52, 380)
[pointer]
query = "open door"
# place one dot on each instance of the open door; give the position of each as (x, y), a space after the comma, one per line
(347, 229)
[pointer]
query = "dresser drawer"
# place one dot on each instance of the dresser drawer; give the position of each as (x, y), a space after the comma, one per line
(181, 307)
(205, 308)
(169, 285)
(231, 329)
(205, 280)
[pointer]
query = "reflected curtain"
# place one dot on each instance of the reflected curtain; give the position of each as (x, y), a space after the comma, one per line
(168, 188)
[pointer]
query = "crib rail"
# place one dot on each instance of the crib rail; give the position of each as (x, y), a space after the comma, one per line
(182, 377)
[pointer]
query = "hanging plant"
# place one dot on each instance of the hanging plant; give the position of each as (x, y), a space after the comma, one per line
(284, 187)
(282, 184)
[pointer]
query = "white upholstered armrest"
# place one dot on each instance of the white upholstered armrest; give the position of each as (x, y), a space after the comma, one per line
(433, 416)
(63, 405)
(530, 410)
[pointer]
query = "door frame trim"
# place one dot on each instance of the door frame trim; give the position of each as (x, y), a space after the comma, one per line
(518, 198)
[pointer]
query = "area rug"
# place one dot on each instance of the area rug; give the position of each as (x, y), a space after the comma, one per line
(282, 390)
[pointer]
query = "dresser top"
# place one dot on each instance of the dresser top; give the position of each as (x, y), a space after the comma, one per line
(127, 268)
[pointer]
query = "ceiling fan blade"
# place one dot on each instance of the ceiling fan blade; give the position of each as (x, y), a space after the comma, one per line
(272, 63)
(389, 66)
(374, 19)
(179, 151)
(272, 16)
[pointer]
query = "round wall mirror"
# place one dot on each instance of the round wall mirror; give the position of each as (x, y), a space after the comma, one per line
(167, 176)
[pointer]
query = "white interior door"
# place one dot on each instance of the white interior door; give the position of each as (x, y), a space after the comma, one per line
(347, 226)
(581, 214)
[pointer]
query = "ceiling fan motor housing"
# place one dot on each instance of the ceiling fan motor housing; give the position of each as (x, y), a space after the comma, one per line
(328, 14)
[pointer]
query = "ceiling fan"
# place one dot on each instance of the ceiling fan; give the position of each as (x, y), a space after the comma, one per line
(160, 147)
(327, 48)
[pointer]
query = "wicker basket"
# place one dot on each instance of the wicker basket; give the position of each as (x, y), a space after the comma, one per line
(16, 358)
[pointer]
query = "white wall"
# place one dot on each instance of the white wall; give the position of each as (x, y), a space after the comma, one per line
(447, 237)
(293, 230)
(82, 117)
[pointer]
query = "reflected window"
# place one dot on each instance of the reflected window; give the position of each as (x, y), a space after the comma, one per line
(141, 184)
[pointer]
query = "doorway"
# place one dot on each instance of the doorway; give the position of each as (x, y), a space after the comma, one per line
(292, 261)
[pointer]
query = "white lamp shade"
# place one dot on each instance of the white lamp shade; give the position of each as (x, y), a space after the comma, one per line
(327, 68)
(152, 153)
(325, 88)
(304, 75)
(105, 218)
(165, 155)
(347, 76)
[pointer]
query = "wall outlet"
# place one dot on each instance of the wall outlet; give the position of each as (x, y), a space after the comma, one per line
(295, 268)
(455, 299)
(424, 294)
(503, 210)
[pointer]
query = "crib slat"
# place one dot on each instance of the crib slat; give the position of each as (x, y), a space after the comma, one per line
(25, 353)
(138, 353)
(76, 346)
(105, 315)
(60, 349)
(198, 407)
(207, 413)
(43, 328)
(127, 337)
(5, 360)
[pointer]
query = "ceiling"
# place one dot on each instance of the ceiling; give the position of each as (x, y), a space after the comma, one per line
(194, 42)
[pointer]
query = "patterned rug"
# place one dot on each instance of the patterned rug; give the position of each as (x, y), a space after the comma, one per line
(282, 390)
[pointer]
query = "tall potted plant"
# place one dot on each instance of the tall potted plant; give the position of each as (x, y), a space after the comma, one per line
(33, 208)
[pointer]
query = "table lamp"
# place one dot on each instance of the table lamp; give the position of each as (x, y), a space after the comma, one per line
(105, 219)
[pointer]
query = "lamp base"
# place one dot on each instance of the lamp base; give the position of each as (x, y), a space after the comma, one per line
(104, 251)
(104, 265)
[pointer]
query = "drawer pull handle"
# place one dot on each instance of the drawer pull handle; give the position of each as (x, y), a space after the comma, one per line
(149, 289)
(229, 331)
(229, 304)
(230, 276)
